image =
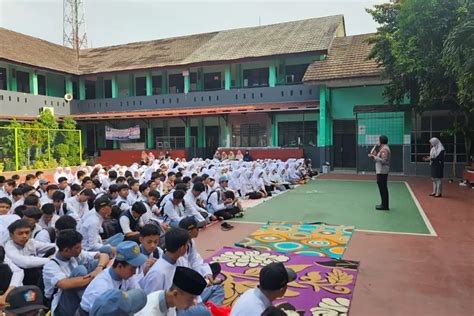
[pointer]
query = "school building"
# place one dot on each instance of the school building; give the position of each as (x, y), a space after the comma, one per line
(295, 88)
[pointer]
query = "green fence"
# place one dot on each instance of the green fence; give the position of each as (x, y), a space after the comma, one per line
(24, 148)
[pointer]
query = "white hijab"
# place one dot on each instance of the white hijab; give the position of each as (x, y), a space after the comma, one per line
(436, 147)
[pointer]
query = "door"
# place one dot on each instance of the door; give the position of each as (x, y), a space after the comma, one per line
(344, 143)
(212, 140)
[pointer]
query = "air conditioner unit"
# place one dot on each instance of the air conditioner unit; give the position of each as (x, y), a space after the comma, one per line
(47, 108)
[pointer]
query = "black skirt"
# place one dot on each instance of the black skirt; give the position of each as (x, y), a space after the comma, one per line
(437, 166)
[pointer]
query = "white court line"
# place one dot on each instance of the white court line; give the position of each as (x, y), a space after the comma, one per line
(422, 212)
(358, 180)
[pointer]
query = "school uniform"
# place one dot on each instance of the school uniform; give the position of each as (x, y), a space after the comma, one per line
(16, 204)
(133, 197)
(66, 191)
(128, 224)
(45, 199)
(51, 223)
(192, 259)
(123, 203)
(29, 256)
(252, 302)
(160, 275)
(156, 305)
(173, 213)
(5, 221)
(150, 212)
(90, 230)
(66, 302)
(106, 280)
(17, 273)
(80, 208)
(192, 209)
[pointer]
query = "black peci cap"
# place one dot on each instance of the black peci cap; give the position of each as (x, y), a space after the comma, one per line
(275, 276)
(189, 281)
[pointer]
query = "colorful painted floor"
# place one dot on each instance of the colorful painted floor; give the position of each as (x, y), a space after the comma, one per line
(412, 273)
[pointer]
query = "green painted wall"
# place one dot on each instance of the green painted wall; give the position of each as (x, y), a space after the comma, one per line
(344, 99)
(313, 116)
(55, 85)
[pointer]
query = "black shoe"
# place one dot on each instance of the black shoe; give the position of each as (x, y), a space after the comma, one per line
(381, 208)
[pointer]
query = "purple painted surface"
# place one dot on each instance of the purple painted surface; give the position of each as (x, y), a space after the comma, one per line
(323, 283)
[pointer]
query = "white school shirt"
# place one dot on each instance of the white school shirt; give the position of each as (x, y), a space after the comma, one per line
(5, 221)
(124, 222)
(193, 260)
(150, 212)
(156, 306)
(159, 277)
(45, 199)
(90, 230)
(133, 197)
(103, 282)
(123, 203)
(173, 212)
(67, 192)
(28, 256)
(252, 302)
(51, 223)
(18, 274)
(16, 204)
(80, 208)
(191, 208)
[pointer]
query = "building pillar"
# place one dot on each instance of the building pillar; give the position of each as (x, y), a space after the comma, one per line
(187, 81)
(115, 144)
(82, 89)
(201, 141)
(69, 86)
(281, 74)
(227, 77)
(272, 75)
(200, 79)
(164, 83)
(99, 88)
(274, 131)
(11, 80)
(131, 85)
(325, 126)
(34, 82)
(187, 134)
(149, 138)
(149, 86)
(115, 88)
(238, 76)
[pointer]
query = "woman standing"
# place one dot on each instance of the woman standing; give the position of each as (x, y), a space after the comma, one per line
(436, 159)
(382, 168)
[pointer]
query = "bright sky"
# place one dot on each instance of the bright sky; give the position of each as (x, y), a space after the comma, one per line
(110, 22)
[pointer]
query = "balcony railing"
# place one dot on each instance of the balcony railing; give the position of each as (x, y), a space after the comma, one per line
(23, 104)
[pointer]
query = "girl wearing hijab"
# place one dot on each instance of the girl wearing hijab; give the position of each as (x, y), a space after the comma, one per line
(58, 174)
(239, 155)
(436, 159)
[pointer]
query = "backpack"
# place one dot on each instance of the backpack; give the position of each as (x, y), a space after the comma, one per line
(51, 232)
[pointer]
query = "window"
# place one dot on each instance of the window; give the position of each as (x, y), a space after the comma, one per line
(256, 77)
(140, 86)
(75, 90)
(295, 73)
(295, 134)
(156, 85)
(107, 88)
(249, 135)
(41, 85)
(90, 89)
(3, 79)
(193, 81)
(22, 81)
(176, 83)
(428, 126)
(212, 81)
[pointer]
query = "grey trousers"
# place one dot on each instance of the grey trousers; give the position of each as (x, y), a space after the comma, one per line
(437, 186)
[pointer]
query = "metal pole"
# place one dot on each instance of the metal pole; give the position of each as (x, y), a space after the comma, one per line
(80, 146)
(16, 149)
(49, 148)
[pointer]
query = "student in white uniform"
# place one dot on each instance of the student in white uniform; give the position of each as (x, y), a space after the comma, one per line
(63, 187)
(122, 199)
(6, 219)
(49, 217)
(91, 228)
(69, 272)
(119, 276)
(173, 209)
(273, 282)
(150, 237)
(192, 208)
(48, 235)
(48, 197)
(11, 276)
(130, 221)
(116, 303)
(160, 275)
(78, 204)
(134, 192)
(187, 285)
(33, 215)
(152, 210)
(27, 253)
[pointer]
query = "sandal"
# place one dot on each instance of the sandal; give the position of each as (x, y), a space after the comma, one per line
(226, 226)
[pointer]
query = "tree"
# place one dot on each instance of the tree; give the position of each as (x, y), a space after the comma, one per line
(409, 44)
(9, 145)
(70, 146)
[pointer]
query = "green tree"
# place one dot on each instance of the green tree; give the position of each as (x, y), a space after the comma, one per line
(69, 148)
(9, 145)
(409, 44)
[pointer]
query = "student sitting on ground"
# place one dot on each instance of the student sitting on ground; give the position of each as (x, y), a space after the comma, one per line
(49, 217)
(222, 203)
(6, 219)
(187, 285)
(91, 228)
(116, 302)
(130, 221)
(48, 235)
(63, 187)
(160, 275)
(173, 209)
(78, 204)
(119, 276)
(11, 277)
(192, 208)
(48, 197)
(69, 272)
(122, 199)
(33, 215)
(29, 254)
(150, 237)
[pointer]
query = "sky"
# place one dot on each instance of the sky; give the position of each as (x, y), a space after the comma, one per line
(111, 22)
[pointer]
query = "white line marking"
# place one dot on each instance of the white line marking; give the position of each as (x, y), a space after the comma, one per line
(422, 212)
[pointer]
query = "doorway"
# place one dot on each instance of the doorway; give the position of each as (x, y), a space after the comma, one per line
(212, 140)
(344, 143)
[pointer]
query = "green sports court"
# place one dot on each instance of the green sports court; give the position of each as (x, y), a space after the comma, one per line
(347, 202)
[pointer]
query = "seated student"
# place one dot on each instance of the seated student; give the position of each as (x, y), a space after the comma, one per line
(75, 189)
(63, 187)
(87, 183)
(49, 216)
(68, 272)
(273, 281)
(144, 189)
(11, 277)
(150, 237)
(6, 219)
(32, 201)
(169, 184)
(78, 204)
(60, 208)
(192, 208)
(25, 301)
(48, 197)
(97, 187)
(122, 199)
(27, 253)
(30, 179)
(187, 285)
(91, 228)
(8, 189)
(41, 188)
(48, 235)
(33, 215)
(18, 199)
(160, 275)
(134, 192)
(130, 221)
(152, 210)
(222, 203)
(119, 276)
(116, 302)
(173, 209)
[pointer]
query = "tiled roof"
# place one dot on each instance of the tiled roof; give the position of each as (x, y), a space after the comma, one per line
(33, 51)
(347, 58)
(304, 36)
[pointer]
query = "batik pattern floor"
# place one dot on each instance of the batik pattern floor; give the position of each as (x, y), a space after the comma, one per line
(320, 240)
(324, 286)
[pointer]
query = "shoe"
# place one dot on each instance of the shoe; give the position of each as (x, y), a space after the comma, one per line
(226, 226)
(381, 208)
(438, 195)
(239, 215)
(432, 194)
